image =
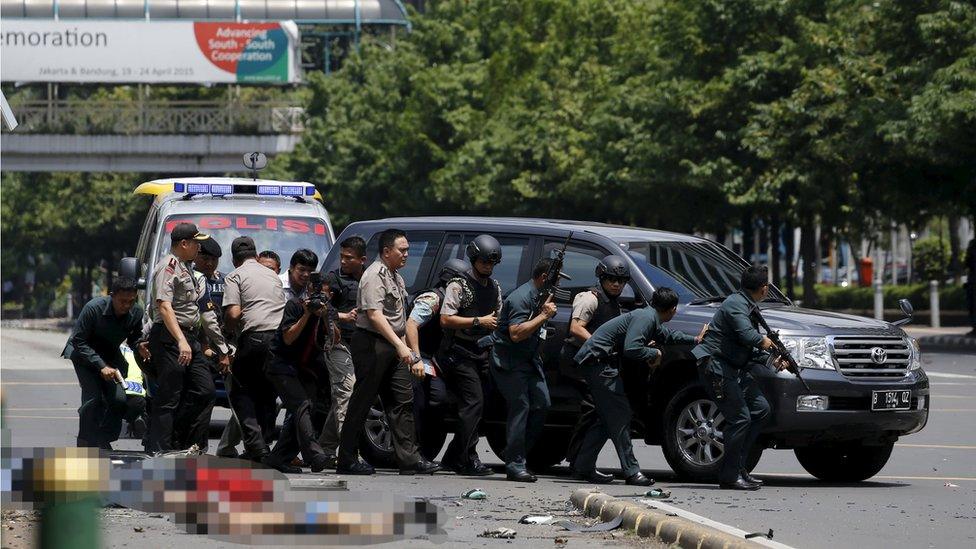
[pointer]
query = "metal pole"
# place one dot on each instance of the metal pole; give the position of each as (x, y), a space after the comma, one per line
(894, 249)
(934, 303)
(878, 299)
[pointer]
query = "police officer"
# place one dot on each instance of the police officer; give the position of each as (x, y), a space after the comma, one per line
(185, 391)
(424, 337)
(383, 361)
(592, 309)
(93, 347)
(343, 285)
(206, 264)
(469, 313)
(727, 353)
(254, 301)
(516, 369)
(626, 337)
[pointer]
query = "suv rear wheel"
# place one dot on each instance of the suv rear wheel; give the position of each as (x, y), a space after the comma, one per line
(693, 438)
(376, 440)
(846, 463)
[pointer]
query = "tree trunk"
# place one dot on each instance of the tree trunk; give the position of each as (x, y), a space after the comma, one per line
(808, 253)
(790, 251)
(955, 266)
(774, 243)
(747, 236)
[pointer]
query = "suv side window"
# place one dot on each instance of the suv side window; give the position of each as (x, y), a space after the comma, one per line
(579, 264)
(423, 250)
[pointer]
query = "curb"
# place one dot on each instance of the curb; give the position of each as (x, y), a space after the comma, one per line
(652, 523)
(947, 343)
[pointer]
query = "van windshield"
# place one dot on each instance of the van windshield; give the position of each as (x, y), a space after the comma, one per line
(280, 234)
(697, 271)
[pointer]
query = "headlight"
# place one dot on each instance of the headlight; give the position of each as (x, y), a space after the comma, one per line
(914, 354)
(810, 352)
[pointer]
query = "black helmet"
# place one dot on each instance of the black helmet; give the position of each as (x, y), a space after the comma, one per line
(484, 247)
(612, 266)
(452, 269)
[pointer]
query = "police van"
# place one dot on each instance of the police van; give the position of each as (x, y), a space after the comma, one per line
(279, 216)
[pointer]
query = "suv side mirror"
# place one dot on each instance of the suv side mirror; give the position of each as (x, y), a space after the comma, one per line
(129, 268)
(906, 307)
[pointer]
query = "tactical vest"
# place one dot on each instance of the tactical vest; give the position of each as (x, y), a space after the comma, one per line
(344, 290)
(477, 299)
(607, 308)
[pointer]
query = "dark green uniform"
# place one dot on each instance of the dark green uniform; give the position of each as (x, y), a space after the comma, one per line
(516, 369)
(725, 357)
(624, 337)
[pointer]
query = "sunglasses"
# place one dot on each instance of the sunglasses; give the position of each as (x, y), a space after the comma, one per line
(617, 279)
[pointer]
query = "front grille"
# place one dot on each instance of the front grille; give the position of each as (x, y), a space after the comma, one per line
(861, 356)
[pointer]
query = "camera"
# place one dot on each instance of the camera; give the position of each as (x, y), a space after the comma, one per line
(317, 299)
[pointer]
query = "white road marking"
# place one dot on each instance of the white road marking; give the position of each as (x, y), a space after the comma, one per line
(942, 446)
(948, 375)
(654, 504)
(880, 477)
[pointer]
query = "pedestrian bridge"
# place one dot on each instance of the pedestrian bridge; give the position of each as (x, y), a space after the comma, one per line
(148, 136)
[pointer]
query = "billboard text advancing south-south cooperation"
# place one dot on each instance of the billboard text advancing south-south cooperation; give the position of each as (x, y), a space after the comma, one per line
(148, 52)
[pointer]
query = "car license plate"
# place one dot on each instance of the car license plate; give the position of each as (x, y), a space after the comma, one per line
(890, 400)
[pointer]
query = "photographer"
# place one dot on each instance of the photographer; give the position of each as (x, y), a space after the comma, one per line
(295, 367)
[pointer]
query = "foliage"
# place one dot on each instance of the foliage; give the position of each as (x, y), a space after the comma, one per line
(931, 258)
(854, 298)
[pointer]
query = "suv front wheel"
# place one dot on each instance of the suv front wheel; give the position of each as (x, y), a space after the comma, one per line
(845, 463)
(693, 436)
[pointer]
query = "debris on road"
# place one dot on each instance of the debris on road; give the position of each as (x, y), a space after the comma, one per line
(658, 493)
(498, 533)
(560, 541)
(767, 535)
(599, 527)
(951, 485)
(536, 519)
(475, 493)
(139, 529)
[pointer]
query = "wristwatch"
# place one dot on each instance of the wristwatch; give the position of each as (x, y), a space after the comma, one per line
(475, 322)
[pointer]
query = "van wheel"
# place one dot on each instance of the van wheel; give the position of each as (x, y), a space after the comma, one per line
(693, 439)
(846, 463)
(376, 440)
(548, 451)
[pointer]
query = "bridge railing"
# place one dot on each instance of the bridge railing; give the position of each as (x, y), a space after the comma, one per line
(102, 117)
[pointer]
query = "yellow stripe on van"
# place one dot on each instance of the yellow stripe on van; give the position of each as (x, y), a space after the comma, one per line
(154, 188)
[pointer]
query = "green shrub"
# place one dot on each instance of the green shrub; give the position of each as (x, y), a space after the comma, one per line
(837, 298)
(931, 258)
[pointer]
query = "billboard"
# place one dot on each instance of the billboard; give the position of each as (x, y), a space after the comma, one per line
(33, 50)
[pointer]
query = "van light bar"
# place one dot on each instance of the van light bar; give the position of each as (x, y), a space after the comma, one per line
(219, 189)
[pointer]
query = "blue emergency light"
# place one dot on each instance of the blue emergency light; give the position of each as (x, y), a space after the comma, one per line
(220, 189)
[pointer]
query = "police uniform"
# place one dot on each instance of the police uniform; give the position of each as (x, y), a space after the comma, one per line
(184, 397)
(622, 338)
(345, 290)
(94, 344)
(257, 290)
(516, 370)
(593, 308)
(379, 370)
(465, 365)
(726, 354)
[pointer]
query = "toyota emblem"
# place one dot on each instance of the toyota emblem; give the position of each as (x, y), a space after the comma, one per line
(879, 355)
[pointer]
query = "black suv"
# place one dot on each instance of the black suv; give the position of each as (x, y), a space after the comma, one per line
(867, 385)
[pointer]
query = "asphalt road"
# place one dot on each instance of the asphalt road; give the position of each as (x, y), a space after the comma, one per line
(908, 504)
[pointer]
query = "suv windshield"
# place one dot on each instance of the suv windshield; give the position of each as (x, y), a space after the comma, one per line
(280, 234)
(697, 271)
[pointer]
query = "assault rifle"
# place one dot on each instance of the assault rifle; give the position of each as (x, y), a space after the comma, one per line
(779, 350)
(550, 282)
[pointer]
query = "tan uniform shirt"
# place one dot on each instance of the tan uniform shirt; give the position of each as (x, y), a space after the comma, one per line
(257, 290)
(584, 305)
(173, 282)
(382, 289)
